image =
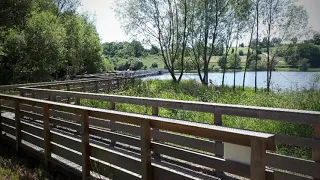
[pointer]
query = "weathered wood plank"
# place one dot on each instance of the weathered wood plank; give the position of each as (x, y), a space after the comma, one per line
(8, 129)
(18, 124)
(203, 145)
(35, 130)
(112, 171)
(146, 150)
(69, 155)
(46, 135)
(258, 159)
(8, 121)
(203, 159)
(85, 148)
(316, 151)
(66, 141)
(32, 139)
(116, 158)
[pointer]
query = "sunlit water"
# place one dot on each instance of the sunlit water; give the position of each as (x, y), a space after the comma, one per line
(280, 80)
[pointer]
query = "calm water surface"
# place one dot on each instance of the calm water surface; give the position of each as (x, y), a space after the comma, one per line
(279, 81)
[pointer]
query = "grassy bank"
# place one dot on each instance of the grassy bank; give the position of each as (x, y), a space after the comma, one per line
(192, 91)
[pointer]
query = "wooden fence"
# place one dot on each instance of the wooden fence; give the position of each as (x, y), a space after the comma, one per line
(290, 167)
(38, 124)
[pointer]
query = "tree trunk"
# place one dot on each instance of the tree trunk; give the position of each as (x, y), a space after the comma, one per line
(257, 44)
(248, 55)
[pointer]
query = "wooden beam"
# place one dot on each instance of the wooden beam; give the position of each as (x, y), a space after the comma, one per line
(47, 138)
(258, 159)
(18, 125)
(146, 150)
(112, 106)
(219, 148)
(316, 151)
(68, 89)
(155, 112)
(85, 145)
(1, 117)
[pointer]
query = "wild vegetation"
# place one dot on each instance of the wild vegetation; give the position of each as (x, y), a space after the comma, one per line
(47, 40)
(194, 91)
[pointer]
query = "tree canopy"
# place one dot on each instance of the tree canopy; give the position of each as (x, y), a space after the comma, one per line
(47, 40)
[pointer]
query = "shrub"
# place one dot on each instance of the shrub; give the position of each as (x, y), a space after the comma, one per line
(241, 53)
(154, 65)
(304, 65)
(137, 65)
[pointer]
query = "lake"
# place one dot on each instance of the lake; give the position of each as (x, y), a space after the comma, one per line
(279, 81)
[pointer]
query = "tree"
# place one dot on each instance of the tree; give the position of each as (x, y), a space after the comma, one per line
(14, 13)
(161, 22)
(304, 65)
(208, 20)
(137, 48)
(154, 50)
(285, 20)
(316, 38)
(67, 6)
(154, 65)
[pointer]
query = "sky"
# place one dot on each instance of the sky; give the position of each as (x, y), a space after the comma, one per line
(109, 28)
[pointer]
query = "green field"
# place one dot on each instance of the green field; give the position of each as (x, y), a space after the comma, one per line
(193, 91)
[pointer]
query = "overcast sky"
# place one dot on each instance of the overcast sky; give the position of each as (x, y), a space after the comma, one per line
(109, 28)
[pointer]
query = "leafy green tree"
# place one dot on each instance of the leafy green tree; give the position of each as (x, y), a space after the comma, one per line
(241, 53)
(304, 65)
(316, 38)
(137, 65)
(14, 13)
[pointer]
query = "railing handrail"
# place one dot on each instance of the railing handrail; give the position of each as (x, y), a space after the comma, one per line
(289, 115)
(241, 137)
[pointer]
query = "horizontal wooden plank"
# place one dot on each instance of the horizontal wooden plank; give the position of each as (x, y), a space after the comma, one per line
(9, 129)
(289, 115)
(32, 139)
(8, 121)
(66, 141)
(126, 129)
(283, 176)
(7, 108)
(165, 171)
(133, 141)
(32, 129)
(293, 164)
(66, 154)
(297, 141)
(204, 145)
(116, 158)
(112, 172)
(202, 159)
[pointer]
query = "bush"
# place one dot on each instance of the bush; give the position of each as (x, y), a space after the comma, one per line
(304, 65)
(241, 53)
(229, 63)
(232, 50)
(137, 65)
(259, 51)
(145, 67)
(154, 65)
(216, 68)
(241, 45)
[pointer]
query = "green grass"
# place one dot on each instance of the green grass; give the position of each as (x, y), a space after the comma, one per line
(18, 166)
(192, 91)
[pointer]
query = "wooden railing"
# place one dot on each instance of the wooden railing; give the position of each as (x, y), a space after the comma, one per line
(33, 125)
(299, 168)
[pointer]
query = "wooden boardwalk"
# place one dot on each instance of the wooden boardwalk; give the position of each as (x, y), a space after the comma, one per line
(120, 145)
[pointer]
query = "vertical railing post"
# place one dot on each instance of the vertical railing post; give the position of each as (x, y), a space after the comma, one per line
(316, 152)
(68, 89)
(0, 118)
(155, 112)
(258, 159)
(47, 135)
(146, 149)
(84, 87)
(18, 125)
(112, 106)
(218, 144)
(118, 83)
(97, 86)
(85, 145)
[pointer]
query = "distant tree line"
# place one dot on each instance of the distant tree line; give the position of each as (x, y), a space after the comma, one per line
(43, 40)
